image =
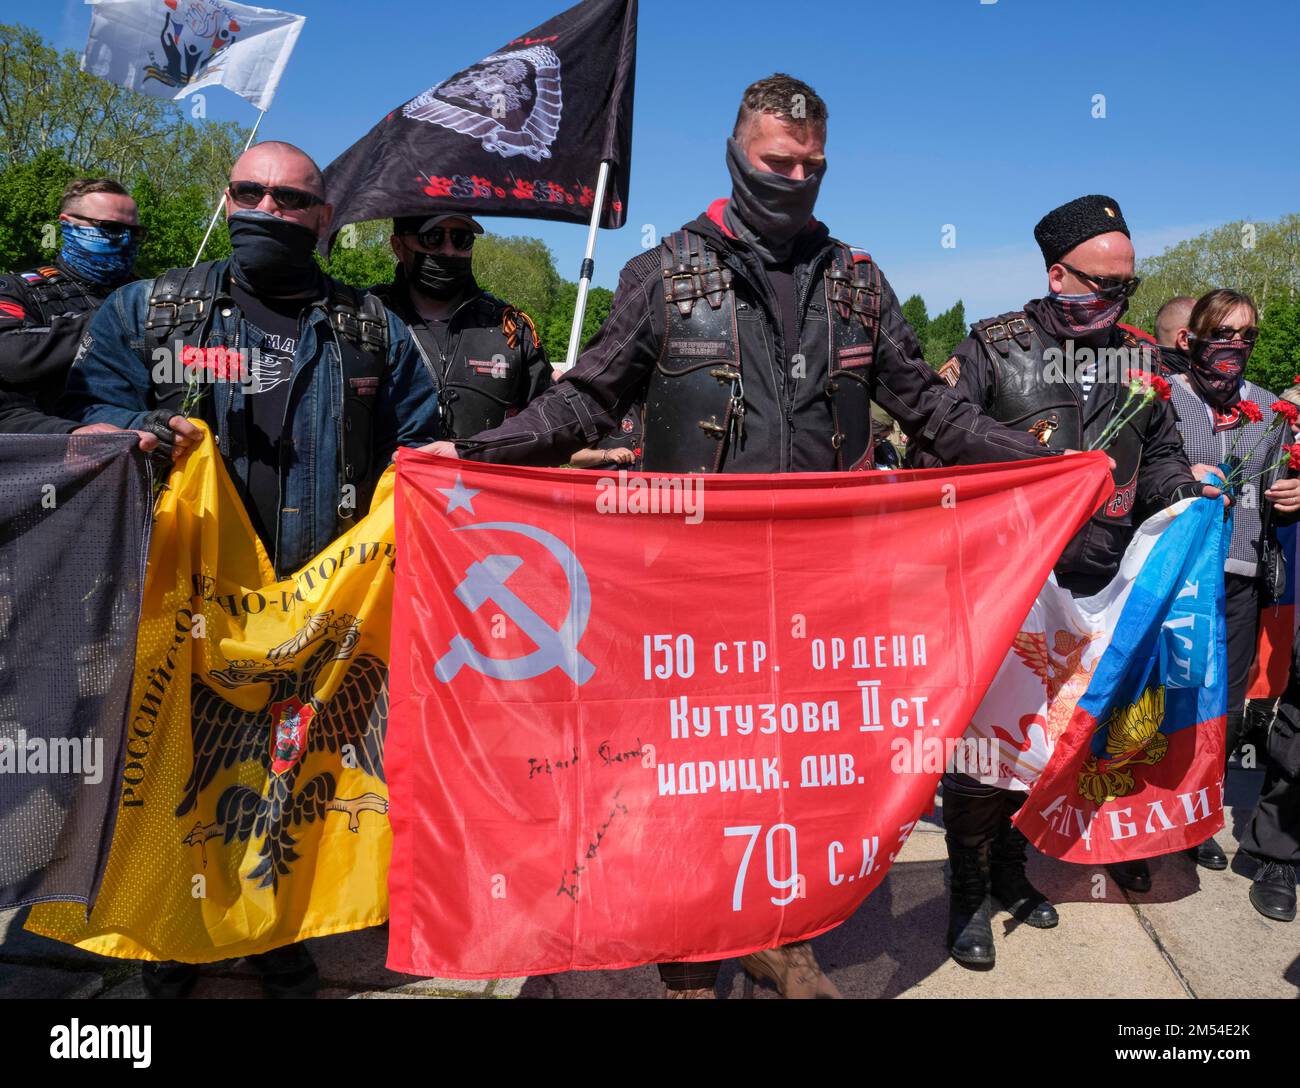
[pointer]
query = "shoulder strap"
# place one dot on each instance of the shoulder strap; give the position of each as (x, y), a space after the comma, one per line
(853, 287)
(998, 332)
(181, 302)
(691, 272)
(360, 319)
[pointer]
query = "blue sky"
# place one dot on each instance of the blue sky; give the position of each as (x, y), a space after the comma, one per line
(943, 112)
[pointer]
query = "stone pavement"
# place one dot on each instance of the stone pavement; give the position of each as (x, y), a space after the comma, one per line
(1193, 935)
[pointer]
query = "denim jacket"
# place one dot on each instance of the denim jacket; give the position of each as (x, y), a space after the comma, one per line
(113, 381)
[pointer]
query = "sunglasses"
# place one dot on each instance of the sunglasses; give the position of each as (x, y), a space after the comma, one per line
(1227, 332)
(112, 227)
(1109, 287)
(432, 239)
(249, 194)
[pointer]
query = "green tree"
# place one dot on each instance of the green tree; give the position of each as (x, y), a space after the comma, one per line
(1276, 359)
(29, 209)
(49, 104)
(554, 330)
(519, 270)
(1261, 259)
(176, 224)
(361, 255)
(915, 313)
(945, 332)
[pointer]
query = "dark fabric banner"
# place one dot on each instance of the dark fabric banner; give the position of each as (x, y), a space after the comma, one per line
(74, 533)
(521, 132)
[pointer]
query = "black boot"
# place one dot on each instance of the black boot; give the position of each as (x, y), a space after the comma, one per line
(287, 972)
(1209, 855)
(1135, 876)
(1273, 892)
(970, 929)
(1010, 885)
(167, 979)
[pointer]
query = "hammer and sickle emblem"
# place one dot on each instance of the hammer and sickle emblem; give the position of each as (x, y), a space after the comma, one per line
(557, 648)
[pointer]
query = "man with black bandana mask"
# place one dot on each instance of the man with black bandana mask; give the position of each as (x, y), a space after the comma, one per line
(757, 343)
(44, 311)
(325, 385)
(1058, 369)
(482, 352)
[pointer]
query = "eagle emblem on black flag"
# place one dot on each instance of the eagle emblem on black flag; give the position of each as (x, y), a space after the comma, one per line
(291, 724)
(510, 102)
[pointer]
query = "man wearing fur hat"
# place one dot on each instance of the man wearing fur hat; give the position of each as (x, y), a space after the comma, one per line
(1059, 369)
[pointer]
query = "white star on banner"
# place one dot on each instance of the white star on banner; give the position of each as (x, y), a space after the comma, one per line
(459, 497)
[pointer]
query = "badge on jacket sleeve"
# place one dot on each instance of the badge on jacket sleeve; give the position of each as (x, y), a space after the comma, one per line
(951, 370)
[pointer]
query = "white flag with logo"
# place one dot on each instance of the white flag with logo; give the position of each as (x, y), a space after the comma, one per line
(171, 48)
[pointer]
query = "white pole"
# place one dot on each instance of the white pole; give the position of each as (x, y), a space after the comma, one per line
(221, 199)
(588, 267)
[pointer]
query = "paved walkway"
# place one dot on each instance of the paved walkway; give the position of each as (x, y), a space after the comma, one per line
(1194, 934)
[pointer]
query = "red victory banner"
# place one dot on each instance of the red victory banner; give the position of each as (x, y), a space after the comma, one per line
(639, 718)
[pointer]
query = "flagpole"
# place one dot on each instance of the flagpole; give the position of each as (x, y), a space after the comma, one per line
(588, 267)
(213, 221)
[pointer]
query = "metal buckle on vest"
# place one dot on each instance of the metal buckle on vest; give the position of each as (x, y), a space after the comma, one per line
(347, 324)
(715, 283)
(713, 428)
(190, 311)
(685, 296)
(840, 292)
(372, 336)
(151, 321)
(996, 333)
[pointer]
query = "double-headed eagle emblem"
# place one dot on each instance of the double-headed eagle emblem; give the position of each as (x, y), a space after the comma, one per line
(292, 723)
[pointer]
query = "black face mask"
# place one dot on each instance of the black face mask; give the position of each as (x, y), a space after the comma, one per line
(1217, 369)
(272, 256)
(771, 209)
(441, 276)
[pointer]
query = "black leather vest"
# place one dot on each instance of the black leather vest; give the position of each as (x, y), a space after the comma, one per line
(695, 401)
(59, 293)
(180, 311)
(482, 375)
(482, 380)
(1037, 393)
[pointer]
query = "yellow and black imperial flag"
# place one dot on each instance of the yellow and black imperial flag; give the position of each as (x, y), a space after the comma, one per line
(74, 529)
(522, 132)
(253, 808)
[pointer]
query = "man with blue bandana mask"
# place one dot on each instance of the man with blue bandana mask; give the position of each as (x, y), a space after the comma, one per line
(44, 311)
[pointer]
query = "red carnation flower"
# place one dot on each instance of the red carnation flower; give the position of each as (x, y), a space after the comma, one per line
(1287, 410)
(1251, 410)
(1161, 387)
(1293, 457)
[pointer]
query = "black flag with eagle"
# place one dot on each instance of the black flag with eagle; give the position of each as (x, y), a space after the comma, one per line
(521, 132)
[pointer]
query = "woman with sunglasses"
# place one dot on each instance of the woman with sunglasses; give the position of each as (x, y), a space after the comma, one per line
(1225, 419)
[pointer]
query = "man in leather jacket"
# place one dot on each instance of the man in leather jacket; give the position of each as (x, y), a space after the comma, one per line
(482, 352)
(757, 342)
(1058, 369)
(44, 311)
